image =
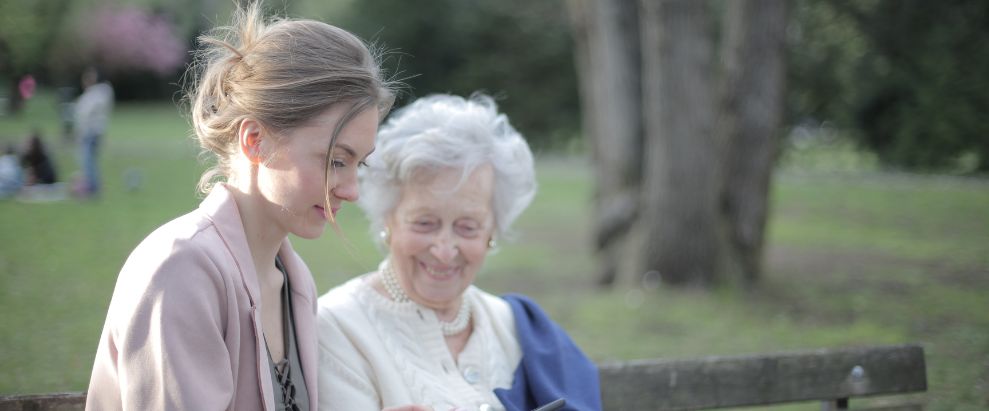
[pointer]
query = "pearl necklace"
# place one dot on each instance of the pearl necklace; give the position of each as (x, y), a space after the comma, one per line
(397, 294)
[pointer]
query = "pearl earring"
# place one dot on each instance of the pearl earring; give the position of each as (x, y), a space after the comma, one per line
(492, 243)
(385, 235)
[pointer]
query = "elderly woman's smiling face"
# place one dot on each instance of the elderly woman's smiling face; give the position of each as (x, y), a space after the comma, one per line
(439, 234)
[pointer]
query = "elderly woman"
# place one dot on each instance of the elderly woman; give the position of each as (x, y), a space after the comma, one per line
(448, 178)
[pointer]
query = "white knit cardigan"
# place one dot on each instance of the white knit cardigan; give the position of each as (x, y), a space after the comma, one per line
(377, 353)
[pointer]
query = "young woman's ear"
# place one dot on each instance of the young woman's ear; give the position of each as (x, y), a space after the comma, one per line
(249, 136)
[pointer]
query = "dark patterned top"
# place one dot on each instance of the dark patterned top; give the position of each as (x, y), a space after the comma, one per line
(291, 393)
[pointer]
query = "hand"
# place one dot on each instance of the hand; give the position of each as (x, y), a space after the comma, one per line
(409, 408)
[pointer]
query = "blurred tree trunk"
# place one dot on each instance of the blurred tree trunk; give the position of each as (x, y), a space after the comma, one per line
(682, 225)
(751, 117)
(608, 63)
(683, 161)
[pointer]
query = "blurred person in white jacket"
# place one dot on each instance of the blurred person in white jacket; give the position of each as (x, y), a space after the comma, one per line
(92, 113)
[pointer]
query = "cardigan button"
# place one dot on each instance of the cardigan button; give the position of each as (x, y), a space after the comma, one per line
(472, 375)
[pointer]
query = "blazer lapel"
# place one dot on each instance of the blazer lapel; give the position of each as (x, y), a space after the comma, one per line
(221, 208)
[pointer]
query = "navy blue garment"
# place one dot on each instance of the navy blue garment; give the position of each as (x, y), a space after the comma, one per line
(552, 366)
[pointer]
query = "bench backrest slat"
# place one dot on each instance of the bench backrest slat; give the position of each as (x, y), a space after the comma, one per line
(709, 382)
(717, 382)
(68, 401)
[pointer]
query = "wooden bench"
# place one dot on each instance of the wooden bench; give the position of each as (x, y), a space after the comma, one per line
(833, 376)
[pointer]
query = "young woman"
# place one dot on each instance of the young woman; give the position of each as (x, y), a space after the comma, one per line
(214, 310)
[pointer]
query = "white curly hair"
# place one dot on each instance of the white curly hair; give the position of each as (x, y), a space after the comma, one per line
(440, 131)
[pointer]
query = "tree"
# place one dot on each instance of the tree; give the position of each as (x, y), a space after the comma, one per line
(708, 132)
(129, 38)
(26, 34)
(516, 50)
(906, 78)
(608, 63)
(683, 178)
(751, 119)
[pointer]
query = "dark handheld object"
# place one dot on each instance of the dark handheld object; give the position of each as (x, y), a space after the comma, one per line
(555, 405)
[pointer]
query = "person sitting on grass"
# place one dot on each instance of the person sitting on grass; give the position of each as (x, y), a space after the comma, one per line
(11, 174)
(37, 162)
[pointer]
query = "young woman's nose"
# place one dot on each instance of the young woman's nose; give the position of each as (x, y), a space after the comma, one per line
(346, 187)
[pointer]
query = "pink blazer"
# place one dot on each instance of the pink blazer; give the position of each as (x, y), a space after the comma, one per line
(183, 331)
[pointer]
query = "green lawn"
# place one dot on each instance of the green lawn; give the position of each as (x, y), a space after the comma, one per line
(855, 257)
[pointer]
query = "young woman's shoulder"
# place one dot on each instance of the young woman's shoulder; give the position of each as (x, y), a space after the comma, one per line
(187, 251)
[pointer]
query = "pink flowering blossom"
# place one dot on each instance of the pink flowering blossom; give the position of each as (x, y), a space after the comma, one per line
(131, 38)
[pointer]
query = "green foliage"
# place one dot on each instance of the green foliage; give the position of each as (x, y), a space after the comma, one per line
(909, 76)
(27, 29)
(516, 50)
